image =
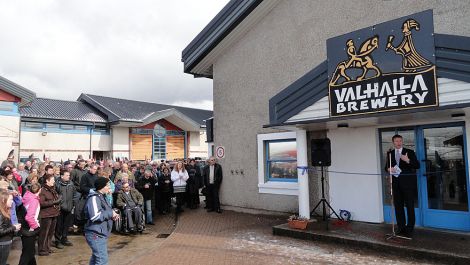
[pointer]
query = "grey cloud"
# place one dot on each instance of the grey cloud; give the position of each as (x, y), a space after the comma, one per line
(128, 49)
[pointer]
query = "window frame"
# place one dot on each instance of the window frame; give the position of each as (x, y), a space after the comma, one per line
(269, 186)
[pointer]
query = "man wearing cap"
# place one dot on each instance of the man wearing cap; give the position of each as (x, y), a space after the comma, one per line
(100, 217)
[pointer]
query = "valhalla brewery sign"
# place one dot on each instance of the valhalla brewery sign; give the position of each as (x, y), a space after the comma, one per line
(387, 67)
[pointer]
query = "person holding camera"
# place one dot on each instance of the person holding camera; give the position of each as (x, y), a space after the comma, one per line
(50, 208)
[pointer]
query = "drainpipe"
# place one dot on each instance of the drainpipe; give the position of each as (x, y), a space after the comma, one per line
(91, 137)
(185, 145)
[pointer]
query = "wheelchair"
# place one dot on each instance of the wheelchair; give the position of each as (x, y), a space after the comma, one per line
(120, 225)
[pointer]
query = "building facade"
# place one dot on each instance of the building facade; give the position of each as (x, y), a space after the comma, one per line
(12, 97)
(270, 68)
(110, 128)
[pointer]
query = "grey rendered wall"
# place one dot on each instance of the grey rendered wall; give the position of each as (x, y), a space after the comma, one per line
(287, 43)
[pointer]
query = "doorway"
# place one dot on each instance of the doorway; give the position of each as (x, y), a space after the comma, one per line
(442, 195)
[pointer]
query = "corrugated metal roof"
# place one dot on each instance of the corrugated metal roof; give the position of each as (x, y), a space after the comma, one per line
(62, 110)
(131, 110)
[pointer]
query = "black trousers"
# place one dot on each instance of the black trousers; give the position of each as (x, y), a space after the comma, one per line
(180, 198)
(137, 220)
(213, 197)
(404, 197)
(165, 201)
(64, 222)
(28, 250)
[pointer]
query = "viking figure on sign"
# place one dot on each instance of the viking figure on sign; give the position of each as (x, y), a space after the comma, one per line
(361, 60)
(412, 60)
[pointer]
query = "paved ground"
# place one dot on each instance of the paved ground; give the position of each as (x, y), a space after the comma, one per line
(211, 238)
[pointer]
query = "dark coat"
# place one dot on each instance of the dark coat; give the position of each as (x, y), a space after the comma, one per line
(193, 182)
(162, 186)
(7, 230)
(407, 178)
(76, 176)
(47, 197)
(149, 192)
(87, 183)
(66, 190)
(218, 176)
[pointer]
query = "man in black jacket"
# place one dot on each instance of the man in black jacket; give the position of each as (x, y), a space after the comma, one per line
(87, 181)
(212, 174)
(404, 184)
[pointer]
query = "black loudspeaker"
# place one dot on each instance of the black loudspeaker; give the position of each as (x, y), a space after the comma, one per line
(321, 152)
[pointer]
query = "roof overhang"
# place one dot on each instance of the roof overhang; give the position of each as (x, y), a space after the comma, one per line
(456, 112)
(112, 117)
(171, 115)
(26, 95)
(227, 27)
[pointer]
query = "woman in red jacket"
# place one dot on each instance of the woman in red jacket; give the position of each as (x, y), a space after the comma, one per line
(50, 209)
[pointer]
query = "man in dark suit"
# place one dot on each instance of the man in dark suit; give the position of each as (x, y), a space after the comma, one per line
(212, 174)
(404, 184)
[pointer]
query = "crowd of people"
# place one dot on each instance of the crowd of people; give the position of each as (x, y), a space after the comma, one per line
(45, 201)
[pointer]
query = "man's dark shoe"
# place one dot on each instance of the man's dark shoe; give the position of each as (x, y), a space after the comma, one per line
(219, 211)
(151, 223)
(43, 254)
(59, 245)
(67, 243)
(210, 210)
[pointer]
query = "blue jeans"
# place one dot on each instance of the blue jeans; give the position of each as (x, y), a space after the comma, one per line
(148, 211)
(99, 248)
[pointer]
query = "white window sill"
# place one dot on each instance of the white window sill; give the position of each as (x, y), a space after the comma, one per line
(279, 187)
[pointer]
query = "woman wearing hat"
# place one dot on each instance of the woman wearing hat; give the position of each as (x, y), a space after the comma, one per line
(100, 217)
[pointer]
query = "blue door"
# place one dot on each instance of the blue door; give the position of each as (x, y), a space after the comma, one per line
(443, 177)
(442, 197)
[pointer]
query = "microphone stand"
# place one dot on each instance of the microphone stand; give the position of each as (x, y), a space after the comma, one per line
(393, 234)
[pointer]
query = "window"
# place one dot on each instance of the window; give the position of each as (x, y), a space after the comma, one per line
(281, 160)
(66, 127)
(52, 126)
(159, 142)
(81, 128)
(101, 130)
(32, 125)
(277, 163)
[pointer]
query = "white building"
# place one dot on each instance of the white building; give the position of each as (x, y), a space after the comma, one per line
(12, 97)
(271, 73)
(104, 127)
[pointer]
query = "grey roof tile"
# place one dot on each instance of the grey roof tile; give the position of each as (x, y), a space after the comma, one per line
(131, 110)
(61, 110)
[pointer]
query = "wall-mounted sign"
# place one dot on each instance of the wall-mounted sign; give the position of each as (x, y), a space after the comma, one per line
(386, 67)
(220, 152)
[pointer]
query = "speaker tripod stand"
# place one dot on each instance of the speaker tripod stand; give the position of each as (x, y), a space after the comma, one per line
(324, 202)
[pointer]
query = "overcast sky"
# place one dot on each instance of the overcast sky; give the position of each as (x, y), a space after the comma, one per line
(122, 48)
